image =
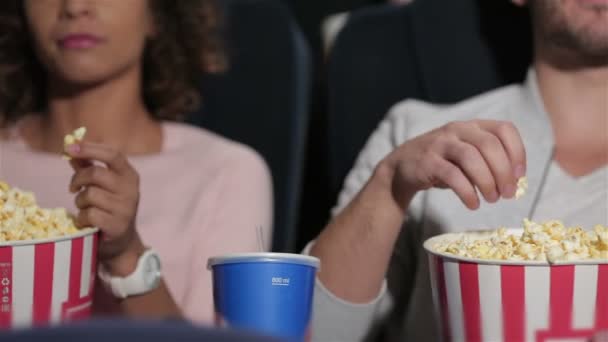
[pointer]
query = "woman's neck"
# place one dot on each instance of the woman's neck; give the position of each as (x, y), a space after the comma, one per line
(113, 113)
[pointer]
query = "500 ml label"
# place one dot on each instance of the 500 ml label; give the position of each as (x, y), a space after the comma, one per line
(278, 281)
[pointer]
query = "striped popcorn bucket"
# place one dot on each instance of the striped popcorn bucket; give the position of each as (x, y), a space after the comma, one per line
(47, 281)
(485, 300)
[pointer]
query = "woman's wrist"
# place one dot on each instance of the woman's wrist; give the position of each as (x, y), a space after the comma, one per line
(125, 263)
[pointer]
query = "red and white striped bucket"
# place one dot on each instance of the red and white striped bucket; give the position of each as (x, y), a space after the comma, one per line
(484, 300)
(47, 281)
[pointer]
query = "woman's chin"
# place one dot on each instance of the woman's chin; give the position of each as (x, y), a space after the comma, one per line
(78, 78)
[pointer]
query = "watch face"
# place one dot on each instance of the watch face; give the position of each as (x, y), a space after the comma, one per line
(152, 271)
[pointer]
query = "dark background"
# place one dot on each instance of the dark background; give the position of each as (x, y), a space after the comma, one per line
(317, 198)
(506, 34)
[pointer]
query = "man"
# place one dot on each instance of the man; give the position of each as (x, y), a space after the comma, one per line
(552, 129)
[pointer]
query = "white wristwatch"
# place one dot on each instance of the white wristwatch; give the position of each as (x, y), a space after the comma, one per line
(144, 279)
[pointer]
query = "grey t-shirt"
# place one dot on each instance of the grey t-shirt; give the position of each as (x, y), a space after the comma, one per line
(580, 201)
(404, 308)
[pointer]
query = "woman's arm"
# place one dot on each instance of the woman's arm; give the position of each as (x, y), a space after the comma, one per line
(108, 198)
(157, 303)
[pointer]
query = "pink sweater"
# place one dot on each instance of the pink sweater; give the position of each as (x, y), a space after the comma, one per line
(201, 196)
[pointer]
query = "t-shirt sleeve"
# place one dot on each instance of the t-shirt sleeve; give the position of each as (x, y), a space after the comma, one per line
(335, 319)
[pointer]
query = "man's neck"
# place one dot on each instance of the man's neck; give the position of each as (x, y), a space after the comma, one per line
(576, 100)
(113, 112)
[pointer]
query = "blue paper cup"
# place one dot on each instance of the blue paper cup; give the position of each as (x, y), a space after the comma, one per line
(266, 292)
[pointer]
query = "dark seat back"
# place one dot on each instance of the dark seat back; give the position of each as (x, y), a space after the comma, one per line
(433, 50)
(262, 100)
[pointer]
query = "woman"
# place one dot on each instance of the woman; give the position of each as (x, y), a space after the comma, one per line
(122, 69)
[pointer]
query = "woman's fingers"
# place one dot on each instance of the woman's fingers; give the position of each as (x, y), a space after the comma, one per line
(115, 160)
(95, 175)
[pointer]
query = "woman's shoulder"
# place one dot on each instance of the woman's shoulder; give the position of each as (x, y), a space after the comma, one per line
(209, 147)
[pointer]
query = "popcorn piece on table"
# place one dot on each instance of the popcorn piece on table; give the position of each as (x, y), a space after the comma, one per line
(73, 138)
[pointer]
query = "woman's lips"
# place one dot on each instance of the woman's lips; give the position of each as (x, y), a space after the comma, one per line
(79, 41)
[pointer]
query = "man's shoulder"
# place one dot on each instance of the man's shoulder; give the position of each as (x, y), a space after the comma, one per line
(411, 118)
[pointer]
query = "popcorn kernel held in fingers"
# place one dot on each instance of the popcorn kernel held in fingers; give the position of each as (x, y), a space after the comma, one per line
(522, 187)
(73, 138)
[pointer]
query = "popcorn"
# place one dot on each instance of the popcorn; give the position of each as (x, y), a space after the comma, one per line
(550, 241)
(522, 187)
(73, 138)
(22, 219)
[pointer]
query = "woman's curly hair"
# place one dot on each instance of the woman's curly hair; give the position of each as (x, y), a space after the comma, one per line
(188, 43)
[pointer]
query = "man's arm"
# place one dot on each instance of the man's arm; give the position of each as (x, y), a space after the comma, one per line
(357, 245)
(472, 158)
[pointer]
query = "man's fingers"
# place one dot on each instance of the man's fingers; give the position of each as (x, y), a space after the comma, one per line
(496, 158)
(469, 159)
(452, 176)
(512, 142)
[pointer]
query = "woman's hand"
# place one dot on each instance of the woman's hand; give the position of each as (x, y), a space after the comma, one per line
(467, 156)
(108, 197)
